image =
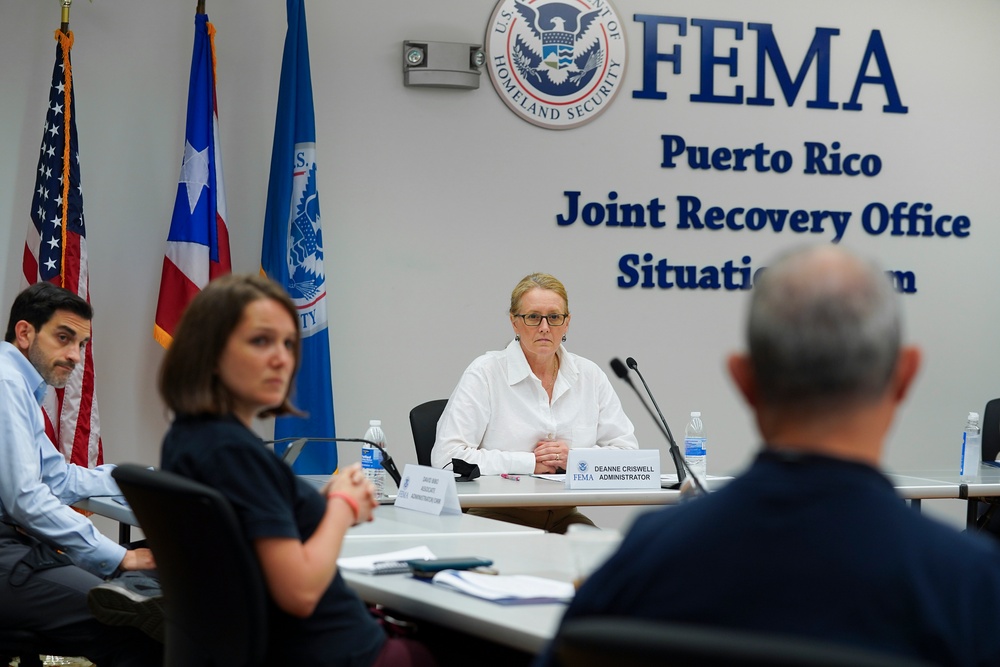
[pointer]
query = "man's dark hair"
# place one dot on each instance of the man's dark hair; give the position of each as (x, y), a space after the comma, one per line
(37, 304)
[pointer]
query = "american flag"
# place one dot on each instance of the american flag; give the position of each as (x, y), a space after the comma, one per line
(56, 251)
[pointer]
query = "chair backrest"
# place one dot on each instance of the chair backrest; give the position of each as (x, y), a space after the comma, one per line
(630, 642)
(990, 428)
(423, 424)
(213, 591)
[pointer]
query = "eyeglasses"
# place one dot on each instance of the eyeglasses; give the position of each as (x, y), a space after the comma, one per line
(534, 319)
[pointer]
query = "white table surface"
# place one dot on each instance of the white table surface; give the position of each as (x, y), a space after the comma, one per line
(395, 522)
(525, 627)
(528, 491)
(521, 550)
(514, 550)
(940, 483)
(390, 521)
(109, 507)
(495, 491)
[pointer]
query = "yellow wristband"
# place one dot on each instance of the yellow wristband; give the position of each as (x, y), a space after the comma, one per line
(351, 502)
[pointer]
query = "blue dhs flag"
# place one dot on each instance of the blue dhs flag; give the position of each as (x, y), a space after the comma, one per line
(292, 251)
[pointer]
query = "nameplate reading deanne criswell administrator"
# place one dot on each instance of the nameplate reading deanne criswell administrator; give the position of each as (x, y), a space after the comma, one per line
(428, 490)
(606, 468)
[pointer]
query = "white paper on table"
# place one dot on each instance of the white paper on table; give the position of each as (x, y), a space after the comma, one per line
(506, 589)
(552, 477)
(366, 564)
(672, 478)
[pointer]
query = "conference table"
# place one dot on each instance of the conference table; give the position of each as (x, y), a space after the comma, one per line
(530, 491)
(917, 485)
(394, 523)
(390, 522)
(526, 627)
(514, 549)
(522, 550)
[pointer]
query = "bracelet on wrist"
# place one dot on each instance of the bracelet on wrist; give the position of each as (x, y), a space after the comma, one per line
(351, 502)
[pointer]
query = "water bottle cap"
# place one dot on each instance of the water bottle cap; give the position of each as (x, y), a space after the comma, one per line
(973, 416)
(375, 422)
(696, 414)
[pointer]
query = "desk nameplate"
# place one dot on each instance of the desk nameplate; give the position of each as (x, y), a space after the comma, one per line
(429, 490)
(606, 468)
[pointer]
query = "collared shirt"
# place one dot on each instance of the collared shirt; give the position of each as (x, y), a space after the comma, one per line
(36, 484)
(499, 412)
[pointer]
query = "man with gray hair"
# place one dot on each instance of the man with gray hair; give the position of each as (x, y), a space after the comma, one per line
(812, 540)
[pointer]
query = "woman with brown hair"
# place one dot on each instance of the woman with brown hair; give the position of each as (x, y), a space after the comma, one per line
(233, 358)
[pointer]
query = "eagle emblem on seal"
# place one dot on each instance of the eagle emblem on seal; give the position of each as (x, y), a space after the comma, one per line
(306, 276)
(560, 48)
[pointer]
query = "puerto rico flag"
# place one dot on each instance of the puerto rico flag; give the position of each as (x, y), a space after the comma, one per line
(198, 242)
(292, 249)
(56, 251)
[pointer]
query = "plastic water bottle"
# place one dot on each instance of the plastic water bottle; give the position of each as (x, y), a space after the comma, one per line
(371, 457)
(972, 447)
(694, 446)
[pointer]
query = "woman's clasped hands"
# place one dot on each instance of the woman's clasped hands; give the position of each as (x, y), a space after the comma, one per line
(352, 487)
(550, 456)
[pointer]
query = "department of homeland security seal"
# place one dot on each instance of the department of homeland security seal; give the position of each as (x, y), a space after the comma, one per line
(306, 275)
(556, 64)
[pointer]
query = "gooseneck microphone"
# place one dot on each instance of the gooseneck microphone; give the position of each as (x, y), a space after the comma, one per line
(675, 452)
(619, 368)
(387, 463)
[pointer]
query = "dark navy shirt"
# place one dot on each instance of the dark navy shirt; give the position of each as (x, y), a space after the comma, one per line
(271, 502)
(812, 546)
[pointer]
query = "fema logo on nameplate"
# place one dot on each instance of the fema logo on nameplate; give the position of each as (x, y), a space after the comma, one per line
(306, 276)
(556, 64)
(432, 491)
(609, 468)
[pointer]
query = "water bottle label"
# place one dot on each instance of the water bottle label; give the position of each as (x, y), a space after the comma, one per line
(972, 454)
(371, 458)
(694, 446)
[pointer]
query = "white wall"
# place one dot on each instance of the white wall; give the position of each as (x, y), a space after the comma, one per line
(436, 202)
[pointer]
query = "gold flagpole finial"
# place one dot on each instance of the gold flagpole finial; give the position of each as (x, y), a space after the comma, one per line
(65, 15)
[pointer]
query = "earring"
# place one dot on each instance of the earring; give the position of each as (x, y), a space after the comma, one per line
(564, 339)
(517, 337)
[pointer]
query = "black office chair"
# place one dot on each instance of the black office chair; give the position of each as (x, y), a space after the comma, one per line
(216, 610)
(988, 518)
(633, 642)
(990, 428)
(423, 424)
(20, 643)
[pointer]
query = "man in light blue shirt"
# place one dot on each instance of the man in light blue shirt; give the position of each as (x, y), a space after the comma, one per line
(50, 555)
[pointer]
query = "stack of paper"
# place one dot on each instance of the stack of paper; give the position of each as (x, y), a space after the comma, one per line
(551, 476)
(368, 564)
(506, 589)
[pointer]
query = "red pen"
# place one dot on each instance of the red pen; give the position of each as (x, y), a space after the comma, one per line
(513, 478)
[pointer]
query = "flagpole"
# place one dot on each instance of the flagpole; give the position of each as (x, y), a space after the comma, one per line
(200, 10)
(65, 16)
